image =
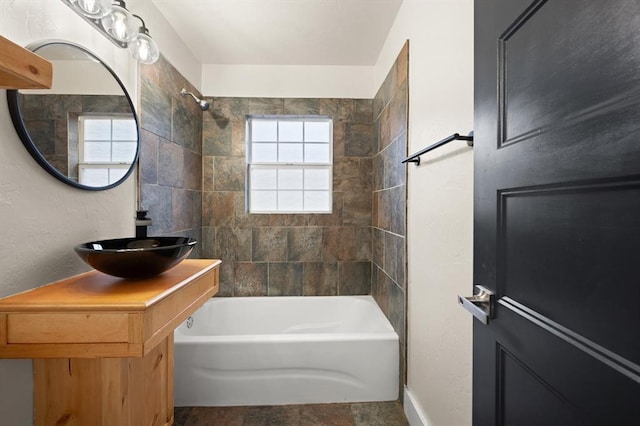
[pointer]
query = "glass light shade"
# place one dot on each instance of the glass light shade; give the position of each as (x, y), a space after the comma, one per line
(120, 24)
(95, 9)
(144, 49)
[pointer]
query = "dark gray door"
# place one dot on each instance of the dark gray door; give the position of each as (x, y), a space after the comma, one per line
(557, 212)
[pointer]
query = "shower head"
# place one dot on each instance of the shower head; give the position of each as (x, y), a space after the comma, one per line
(204, 105)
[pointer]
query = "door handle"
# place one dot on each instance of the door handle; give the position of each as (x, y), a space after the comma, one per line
(480, 305)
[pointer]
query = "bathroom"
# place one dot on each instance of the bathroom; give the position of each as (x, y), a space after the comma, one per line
(195, 188)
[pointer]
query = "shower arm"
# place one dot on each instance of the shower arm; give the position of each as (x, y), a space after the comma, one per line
(184, 92)
(204, 105)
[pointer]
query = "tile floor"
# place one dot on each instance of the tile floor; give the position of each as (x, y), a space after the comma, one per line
(352, 414)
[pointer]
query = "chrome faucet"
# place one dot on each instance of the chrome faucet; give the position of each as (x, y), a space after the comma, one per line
(142, 222)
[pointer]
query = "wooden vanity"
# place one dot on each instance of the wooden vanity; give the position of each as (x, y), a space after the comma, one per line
(103, 346)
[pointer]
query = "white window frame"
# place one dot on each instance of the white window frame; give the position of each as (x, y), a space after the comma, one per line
(108, 165)
(276, 165)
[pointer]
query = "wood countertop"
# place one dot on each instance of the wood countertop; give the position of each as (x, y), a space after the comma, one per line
(96, 315)
(97, 291)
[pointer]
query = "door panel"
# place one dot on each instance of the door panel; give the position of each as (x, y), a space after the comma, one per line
(598, 385)
(517, 383)
(572, 255)
(542, 57)
(557, 211)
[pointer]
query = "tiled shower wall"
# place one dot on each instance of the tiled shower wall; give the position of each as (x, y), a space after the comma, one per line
(192, 172)
(389, 285)
(289, 254)
(171, 153)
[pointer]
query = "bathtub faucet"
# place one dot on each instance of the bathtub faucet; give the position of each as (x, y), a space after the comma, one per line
(142, 222)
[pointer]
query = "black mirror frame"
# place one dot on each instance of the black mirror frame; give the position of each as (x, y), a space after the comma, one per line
(25, 137)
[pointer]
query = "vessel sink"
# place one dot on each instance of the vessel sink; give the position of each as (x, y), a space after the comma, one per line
(135, 257)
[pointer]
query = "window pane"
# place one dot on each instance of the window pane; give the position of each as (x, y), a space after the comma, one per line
(263, 178)
(317, 131)
(123, 152)
(116, 174)
(125, 130)
(97, 152)
(290, 201)
(290, 153)
(290, 164)
(290, 131)
(264, 153)
(264, 131)
(316, 201)
(97, 130)
(316, 179)
(263, 200)
(94, 177)
(290, 179)
(317, 153)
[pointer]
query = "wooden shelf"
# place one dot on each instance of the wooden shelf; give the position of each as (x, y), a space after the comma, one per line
(22, 69)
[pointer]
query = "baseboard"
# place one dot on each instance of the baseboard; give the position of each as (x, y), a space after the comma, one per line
(412, 410)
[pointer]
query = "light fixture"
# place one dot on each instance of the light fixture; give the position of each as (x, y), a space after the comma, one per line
(119, 23)
(114, 21)
(143, 48)
(94, 9)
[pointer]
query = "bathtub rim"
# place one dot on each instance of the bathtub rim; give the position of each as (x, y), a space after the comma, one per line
(386, 333)
(185, 339)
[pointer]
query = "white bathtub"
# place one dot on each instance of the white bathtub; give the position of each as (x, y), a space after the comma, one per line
(286, 350)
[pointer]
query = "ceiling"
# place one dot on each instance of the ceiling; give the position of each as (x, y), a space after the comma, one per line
(282, 32)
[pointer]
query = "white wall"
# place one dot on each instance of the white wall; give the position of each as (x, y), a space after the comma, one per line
(170, 44)
(41, 219)
(80, 78)
(290, 81)
(440, 203)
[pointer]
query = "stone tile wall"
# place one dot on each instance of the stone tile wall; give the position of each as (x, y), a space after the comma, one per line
(192, 171)
(289, 254)
(170, 170)
(389, 283)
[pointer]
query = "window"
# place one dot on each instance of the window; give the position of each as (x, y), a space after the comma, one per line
(107, 148)
(289, 164)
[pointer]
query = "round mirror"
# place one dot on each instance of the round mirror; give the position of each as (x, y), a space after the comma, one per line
(84, 130)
